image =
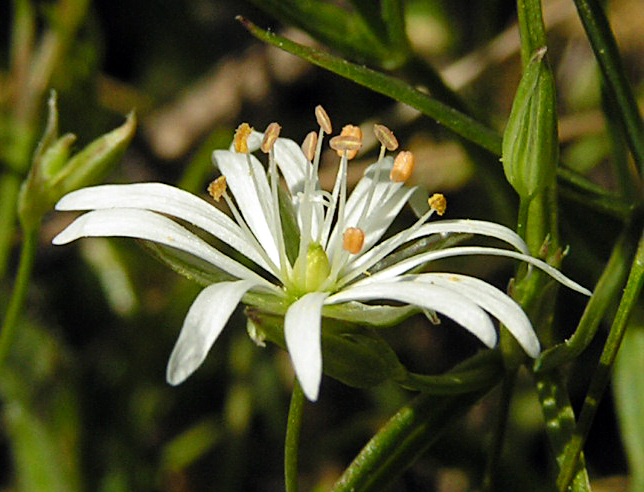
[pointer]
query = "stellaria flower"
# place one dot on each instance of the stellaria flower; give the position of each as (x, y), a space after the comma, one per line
(309, 249)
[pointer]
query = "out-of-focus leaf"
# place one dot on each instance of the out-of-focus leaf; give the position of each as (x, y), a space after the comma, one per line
(628, 389)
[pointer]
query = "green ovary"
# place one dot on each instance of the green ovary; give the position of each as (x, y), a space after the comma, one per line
(309, 277)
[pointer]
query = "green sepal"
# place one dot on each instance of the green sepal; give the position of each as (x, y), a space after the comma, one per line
(530, 150)
(190, 266)
(352, 354)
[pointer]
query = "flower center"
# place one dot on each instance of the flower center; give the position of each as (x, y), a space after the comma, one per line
(311, 275)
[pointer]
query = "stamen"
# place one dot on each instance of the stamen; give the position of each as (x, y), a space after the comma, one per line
(309, 145)
(349, 140)
(217, 188)
(403, 167)
(386, 137)
(323, 119)
(353, 240)
(345, 143)
(241, 138)
(438, 203)
(270, 135)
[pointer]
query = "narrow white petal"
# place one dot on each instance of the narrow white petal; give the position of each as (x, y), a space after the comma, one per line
(252, 193)
(204, 322)
(480, 227)
(494, 301)
(143, 224)
(159, 197)
(426, 296)
(464, 226)
(406, 265)
(304, 342)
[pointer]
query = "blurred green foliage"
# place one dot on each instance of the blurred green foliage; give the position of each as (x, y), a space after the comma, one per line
(84, 402)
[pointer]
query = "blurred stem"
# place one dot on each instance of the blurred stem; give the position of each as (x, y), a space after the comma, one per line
(606, 291)
(607, 54)
(602, 372)
(291, 446)
(492, 467)
(9, 188)
(522, 219)
(20, 288)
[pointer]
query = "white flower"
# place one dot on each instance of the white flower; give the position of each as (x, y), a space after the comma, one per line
(326, 267)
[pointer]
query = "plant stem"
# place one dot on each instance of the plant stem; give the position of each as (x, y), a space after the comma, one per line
(9, 187)
(20, 288)
(489, 479)
(602, 372)
(291, 446)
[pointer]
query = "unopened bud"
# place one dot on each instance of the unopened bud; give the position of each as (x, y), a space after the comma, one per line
(270, 135)
(530, 150)
(353, 240)
(241, 138)
(386, 137)
(323, 119)
(403, 167)
(438, 203)
(217, 188)
(309, 146)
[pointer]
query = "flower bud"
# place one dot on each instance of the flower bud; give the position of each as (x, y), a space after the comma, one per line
(530, 149)
(54, 173)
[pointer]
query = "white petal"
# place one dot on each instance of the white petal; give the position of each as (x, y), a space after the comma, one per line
(204, 322)
(252, 194)
(304, 342)
(159, 197)
(406, 265)
(427, 296)
(292, 163)
(494, 301)
(466, 226)
(143, 224)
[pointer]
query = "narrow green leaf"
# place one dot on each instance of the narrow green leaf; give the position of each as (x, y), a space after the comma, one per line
(459, 123)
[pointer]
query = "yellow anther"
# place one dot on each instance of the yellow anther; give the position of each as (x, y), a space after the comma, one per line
(438, 203)
(386, 137)
(217, 188)
(241, 138)
(353, 240)
(309, 146)
(350, 139)
(403, 167)
(270, 135)
(323, 119)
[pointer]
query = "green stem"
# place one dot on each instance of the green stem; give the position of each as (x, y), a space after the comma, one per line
(522, 219)
(602, 373)
(9, 187)
(605, 48)
(293, 437)
(489, 479)
(20, 288)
